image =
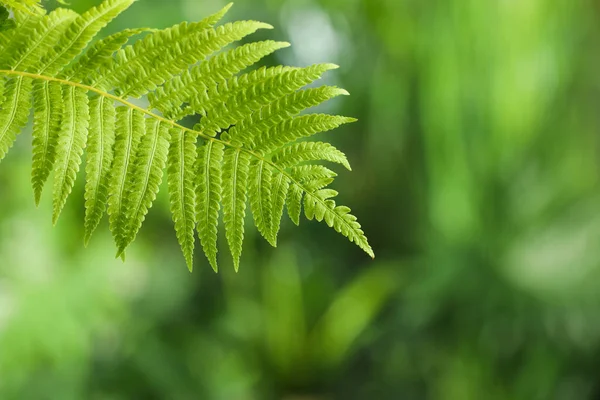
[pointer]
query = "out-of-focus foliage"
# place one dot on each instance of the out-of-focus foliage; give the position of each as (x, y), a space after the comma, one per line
(476, 174)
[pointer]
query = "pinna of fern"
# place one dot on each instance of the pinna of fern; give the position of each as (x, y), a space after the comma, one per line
(249, 146)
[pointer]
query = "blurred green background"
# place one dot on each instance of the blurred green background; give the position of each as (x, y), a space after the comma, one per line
(476, 178)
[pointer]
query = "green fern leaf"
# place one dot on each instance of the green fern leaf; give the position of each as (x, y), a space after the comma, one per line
(145, 178)
(215, 95)
(130, 128)
(260, 197)
(181, 163)
(299, 127)
(48, 109)
(27, 6)
(294, 202)
(251, 125)
(140, 68)
(235, 178)
(279, 192)
(251, 98)
(318, 205)
(35, 38)
(15, 110)
(309, 151)
(260, 127)
(208, 196)
(2, 87)
(79, 33)
(304, 173)
(313, 177)
(101, 139)
(69, 149)
(210, 74)
(99, 54)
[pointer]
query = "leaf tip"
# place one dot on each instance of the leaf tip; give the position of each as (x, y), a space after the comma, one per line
(36, 198)
(225, 9)
(264, 25)
(119, 253)
(370, 252)
(212, 260)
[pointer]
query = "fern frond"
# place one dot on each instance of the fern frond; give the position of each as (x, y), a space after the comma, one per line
(259, 127)
(208, 196)
(101, 139)
(69, 149)
(15, 110)
(320, 206)
(79, 33)
(130, 128)
(47, 115)
(35, 38)
(27, 6)
(195, 82)
(279, 193)
(304, 173)
(181, 161)
(235, 186)
(99, 54)
(294, 202)
(251, 98)
(246, 148)
(201, 103)
(145, 178)
(309, 151)
(297, 128)
(313, 177)
(140, 68)
(2, 86)
(259, 191)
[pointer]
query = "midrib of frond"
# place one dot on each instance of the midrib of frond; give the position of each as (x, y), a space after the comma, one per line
(234, 184)
(128, 154)
(72, 137)
(208, 176)
(101, 144)
(48, 117)
(172, 123)
(265, 218)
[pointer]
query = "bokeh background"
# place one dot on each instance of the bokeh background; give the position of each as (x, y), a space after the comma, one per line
(476, 177)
